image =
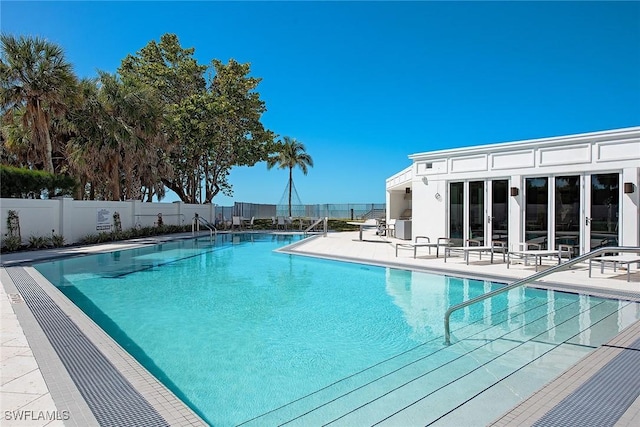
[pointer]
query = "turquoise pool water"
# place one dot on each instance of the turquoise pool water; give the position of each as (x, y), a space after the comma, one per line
(246, 335)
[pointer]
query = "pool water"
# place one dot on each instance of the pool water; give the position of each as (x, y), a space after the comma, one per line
(243, 334)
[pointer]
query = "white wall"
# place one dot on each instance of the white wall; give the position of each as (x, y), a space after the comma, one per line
(37, 217)
(429, 208)
(74, 219)
(630, 209)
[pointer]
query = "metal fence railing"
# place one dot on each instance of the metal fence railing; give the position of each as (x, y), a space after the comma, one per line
(332, 211)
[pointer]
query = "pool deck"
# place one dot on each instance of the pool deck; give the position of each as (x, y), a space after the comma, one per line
(36, 388)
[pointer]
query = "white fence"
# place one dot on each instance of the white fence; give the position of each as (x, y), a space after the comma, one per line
(74, 219)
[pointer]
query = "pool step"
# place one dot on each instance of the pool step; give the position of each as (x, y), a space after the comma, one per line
(516, 374)
(378, 390)
(430, 353)
(445, 387)
(511, 390)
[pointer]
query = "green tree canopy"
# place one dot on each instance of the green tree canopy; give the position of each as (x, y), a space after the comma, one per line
(35, 80)
(211, 127)
(118, 133)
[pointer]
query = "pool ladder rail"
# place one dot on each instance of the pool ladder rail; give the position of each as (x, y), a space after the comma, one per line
(530, 279)
(195, 226)
(324, 222)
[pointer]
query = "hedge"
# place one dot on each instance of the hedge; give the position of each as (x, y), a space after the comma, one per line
(20, 183)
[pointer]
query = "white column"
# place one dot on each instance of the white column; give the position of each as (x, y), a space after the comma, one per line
(516, 206)
(629, 222)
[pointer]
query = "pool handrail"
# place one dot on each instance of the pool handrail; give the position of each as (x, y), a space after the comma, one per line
(324, 222)
(529, 279)
(195, 226)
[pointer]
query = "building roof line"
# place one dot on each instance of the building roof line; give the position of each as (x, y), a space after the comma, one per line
(629, 132)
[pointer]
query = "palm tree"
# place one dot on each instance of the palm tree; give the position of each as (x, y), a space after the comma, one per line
(34, 75)
(290, 154)
(117, 146)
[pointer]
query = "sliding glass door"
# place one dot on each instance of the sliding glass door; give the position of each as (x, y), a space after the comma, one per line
(499, 215)
(581, 211)
(456, 213)
(567, 212)
(537, 211)
(467, 212)
(603, 215)
(476, 211)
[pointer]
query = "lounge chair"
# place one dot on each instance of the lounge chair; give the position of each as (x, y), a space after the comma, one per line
(617, 260)
(249, 224)
(424, 242)
(236, 222)
(532, 250)
(282, 223)
(472, 246)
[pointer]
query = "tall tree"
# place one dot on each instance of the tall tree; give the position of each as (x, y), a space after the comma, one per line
(224, 128)
(290, 153)
(35, 79)
(177, 77)
(212, 125)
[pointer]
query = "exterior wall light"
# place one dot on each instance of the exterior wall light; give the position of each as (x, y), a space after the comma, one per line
(629, 187)
(514, 191)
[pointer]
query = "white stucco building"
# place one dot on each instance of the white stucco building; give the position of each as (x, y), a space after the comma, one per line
(580, 190)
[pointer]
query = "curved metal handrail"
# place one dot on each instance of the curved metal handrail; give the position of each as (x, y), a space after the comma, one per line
(197, 220)
(532, 278)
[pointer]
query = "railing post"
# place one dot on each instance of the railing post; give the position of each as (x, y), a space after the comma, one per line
(195, 224)
(447, 332)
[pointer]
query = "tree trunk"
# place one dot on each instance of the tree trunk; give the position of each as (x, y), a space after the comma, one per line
(41, 139)
(171, 185)
(78, 192)
(290, 185)
(115, 181)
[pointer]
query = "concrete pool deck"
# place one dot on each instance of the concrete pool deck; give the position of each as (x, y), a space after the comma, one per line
(35, 387)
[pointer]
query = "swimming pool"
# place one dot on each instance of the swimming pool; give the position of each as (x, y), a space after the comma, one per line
(246, 335)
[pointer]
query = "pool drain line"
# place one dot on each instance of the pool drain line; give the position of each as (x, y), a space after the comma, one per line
(111, 398)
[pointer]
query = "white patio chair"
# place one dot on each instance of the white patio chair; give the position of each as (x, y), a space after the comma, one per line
(236, 222)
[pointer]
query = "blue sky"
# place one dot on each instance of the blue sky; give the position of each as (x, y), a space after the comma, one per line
(365, 84)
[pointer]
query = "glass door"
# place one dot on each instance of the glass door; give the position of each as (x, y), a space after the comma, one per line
(567, 212)
(603, 211)
(456, 213)
(476, 211)
(499, 215)
(537, 211)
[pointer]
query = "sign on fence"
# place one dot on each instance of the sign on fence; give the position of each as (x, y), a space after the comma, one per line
(103, 220)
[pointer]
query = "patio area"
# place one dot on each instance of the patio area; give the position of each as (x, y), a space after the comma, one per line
(35, 384)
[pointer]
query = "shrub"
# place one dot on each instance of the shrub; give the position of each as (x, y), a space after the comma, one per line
(12, 243)
(57, 240)
(39, 242)
(21, 182)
